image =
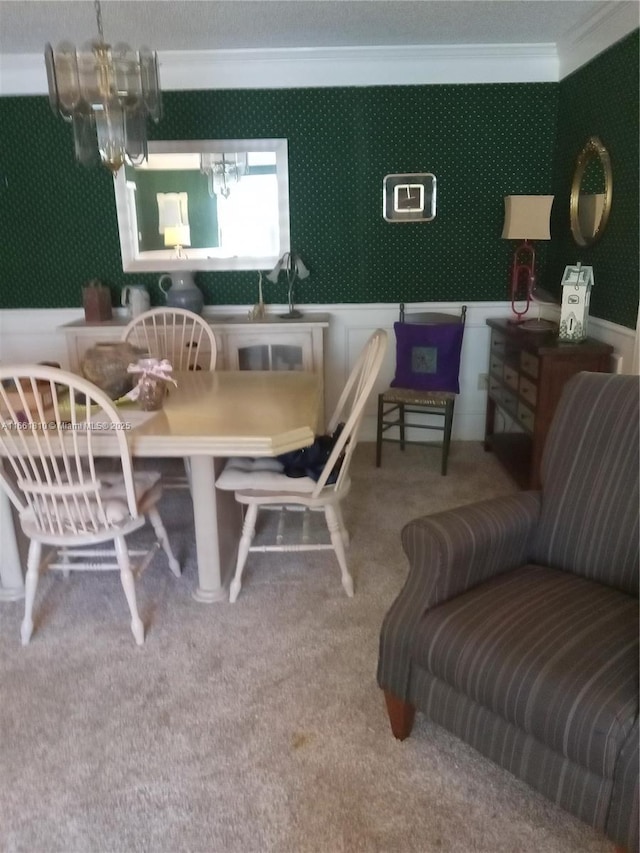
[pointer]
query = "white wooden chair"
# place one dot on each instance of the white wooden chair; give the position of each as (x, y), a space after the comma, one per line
(51, 423)
(181, 336)
(264, 489)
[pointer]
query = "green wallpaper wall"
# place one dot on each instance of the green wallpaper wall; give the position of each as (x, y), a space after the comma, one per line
(601, 99)
(59, 227)
(58, 219)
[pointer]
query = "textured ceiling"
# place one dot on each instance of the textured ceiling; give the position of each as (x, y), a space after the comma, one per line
(26, 25)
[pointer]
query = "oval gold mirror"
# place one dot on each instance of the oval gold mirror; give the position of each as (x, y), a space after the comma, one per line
(591, 193)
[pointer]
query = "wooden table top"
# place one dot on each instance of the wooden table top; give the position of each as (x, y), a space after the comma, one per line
(231, 413)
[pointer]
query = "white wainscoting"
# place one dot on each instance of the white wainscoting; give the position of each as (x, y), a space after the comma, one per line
(350, 327)
(29, 335)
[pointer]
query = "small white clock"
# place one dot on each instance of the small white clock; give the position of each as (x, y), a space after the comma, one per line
(409, 197)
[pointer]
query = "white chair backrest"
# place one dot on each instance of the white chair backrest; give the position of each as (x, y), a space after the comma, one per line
(431, 318)
(48, 439)
(350, 408)
(176, 334)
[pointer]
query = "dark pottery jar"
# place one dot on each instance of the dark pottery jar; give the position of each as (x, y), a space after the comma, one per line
(105, 364)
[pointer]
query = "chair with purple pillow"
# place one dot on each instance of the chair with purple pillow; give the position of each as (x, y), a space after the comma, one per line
(428, 347)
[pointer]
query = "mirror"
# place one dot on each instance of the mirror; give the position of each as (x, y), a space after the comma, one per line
(205, 205)
(591, 193)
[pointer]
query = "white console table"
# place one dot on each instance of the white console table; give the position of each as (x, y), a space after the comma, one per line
(270, 344)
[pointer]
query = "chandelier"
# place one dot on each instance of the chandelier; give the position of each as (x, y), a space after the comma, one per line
(107, 93)
(223, 170)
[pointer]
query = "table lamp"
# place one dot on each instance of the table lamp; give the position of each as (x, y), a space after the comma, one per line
(293, 266)
(177, 236)
(526, 218)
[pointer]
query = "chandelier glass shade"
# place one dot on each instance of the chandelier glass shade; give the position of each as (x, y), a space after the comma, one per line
(108, 94)
(223, 171)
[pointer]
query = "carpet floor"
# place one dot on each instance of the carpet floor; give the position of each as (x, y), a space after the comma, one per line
(256, 727)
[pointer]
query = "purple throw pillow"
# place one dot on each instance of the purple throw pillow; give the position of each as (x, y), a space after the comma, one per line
(428, 356)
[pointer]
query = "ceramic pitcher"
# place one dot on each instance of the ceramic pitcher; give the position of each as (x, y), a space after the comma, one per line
(136, 298)
(182, 293)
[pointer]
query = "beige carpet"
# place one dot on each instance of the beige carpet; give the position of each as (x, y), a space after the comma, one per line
(256, 726)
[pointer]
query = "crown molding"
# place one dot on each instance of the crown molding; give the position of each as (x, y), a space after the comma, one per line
(24, 74)
(603, 29)
(360, 66)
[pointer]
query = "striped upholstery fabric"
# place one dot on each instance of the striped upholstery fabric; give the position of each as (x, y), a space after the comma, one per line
(589, 522)
(517, 626)
(584, 794)
(550, 652)
(624, 812)
(448, 553)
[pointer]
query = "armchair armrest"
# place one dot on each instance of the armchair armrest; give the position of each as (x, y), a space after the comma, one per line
(449, 553)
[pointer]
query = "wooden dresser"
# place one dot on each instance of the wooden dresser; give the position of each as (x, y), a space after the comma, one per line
(527, 372)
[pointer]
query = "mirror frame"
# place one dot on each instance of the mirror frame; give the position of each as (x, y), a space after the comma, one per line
(594, 148)
(134, 261)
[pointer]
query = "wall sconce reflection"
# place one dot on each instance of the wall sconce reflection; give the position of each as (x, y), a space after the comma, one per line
(177, 236)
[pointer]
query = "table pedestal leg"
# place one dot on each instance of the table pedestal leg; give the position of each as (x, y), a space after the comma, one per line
(11, 577)
(218, 522)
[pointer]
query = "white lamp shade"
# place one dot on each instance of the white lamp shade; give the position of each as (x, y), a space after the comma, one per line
(275, 272)
(301, 269)
(177, 235)
(526, 217)
(291, 264)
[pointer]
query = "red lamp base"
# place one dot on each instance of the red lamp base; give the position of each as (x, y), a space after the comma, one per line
(522, 279)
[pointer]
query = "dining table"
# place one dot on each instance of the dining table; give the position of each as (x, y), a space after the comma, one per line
(205, 418)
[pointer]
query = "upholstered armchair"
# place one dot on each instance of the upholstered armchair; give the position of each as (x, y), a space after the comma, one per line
(517, 627)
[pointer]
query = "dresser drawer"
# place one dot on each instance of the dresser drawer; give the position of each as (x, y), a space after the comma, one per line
(498, 344)
(503, 397)
(511, 377)
(510, 403)
(529, 363)
(526, 417)
(528, 391)
(496, 365)
(499, 393)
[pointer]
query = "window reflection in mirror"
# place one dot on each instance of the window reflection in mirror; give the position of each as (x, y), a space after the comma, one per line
(205, 205)
(591, 193)
(591, 199)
